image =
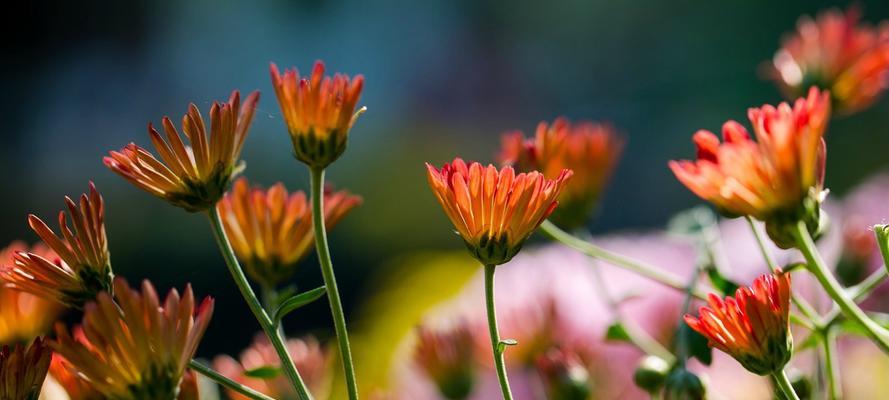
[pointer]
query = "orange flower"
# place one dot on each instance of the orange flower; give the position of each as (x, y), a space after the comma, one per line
(588, 149)
(138, 347)
(564, 374)
(24, 316)
(66, 376)
(835, 53)
(778, 178)
(83, 266)
(23, 370)
(494, 211)
(319, 111)
(192, 177)
(447, 357)
(271, 230)
(753, 327)
(309, 357)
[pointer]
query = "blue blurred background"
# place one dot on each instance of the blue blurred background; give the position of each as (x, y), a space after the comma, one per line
(444, 78)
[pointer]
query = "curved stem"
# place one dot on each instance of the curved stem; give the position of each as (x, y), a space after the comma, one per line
(226, 382)
(333, 294)
(785, 385)
(882, 234)
(832, 372)
(816, 265)
(265, 322)
(498, 348)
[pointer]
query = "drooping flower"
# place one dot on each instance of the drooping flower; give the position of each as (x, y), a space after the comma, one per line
(193, 176)
(494, 211)
(82, 267)
(753, 327)
(778, 178)
(834, 52)
(319, 111)
(310, 358)
(271, 230)
(588, 149)
(139, 350)
(23, 370)
(24, 316)
(447, 356)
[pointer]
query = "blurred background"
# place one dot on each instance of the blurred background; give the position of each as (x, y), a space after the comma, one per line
(444, 78)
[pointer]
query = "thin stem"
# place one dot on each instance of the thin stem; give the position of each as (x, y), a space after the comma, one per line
(816, 265)
(498, 349)
(831, 369)
(639, 267)
(225, 381)
(333, 294)
(247, 292)
(882, 234)
(858, 292)
(785, 385)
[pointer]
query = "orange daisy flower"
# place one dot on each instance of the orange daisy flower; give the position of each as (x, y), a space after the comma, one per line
(138, 347)
(66, 376)
(192, 177)
(24, 316)
(23, 370)
(271, 230)
(494, 211)
(447, 357)
(753, 327)
(588, 149)
(82, 267)
(778, 178)
(319, 111)
(835, 52)
(309, 357)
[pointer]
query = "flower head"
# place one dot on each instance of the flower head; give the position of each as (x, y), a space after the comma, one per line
(23, 370)
(778, 178)
(81, 266)
(319, 111)
(271, 230)
(309, 357)
(139, 350)
(836, 53)
(192, 177)
(24, 316)
(494, 211)
(447, 356)
(753, 327)
(66, 375)
(564, 374)
(588, 149)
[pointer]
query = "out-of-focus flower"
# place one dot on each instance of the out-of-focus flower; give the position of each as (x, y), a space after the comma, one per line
(683, 384)
(564, 375)
(309, 357)
(24, 316)
(494, 211)
(66, 376)
(192, 177)
(778, 178)
(139, 350)
(446, 355)
(271, 230)
(319, 111)
(588, 149)
(753, 327)
(23, 370)
(837, 53)
(83, 266)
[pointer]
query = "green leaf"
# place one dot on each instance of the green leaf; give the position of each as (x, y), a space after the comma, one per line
(263, 372)
(505, 342)
(720, 282)
(694, 343)
(793, 266)
(617, 333)
(297, 301)
(809, 342)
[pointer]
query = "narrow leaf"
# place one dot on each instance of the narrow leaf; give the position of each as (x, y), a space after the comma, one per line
(263, 372)
(297, 301)
(617, 333)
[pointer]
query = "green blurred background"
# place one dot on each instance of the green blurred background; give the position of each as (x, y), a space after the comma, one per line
(444, 78)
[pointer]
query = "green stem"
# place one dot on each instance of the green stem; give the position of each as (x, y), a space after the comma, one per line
(639, 267)
(247, 292)
(785, 385)
(226, 382)
(882, 234)
(832, 372)
(857, 293)
(817, 266)
(498, 348)
(333, 294)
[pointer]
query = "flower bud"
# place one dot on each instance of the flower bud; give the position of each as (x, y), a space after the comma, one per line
(564, 375)
(682, 384)
(651, 373)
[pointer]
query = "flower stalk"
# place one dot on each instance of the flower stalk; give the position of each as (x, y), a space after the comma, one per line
(828, 340)
(497, 345)
(784, 384)
(226, 382)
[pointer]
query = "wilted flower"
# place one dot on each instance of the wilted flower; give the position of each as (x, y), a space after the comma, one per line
(836, 53)
(23, 370)
(139, 347)
(778, 178)
(564, 375)
(82, 267)
(192, 177)
(260, 368)
(494, 211)
(446, 355)
(24, 316)
(271, 230)
(588, 149)
(753, 327)
(319, 111)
